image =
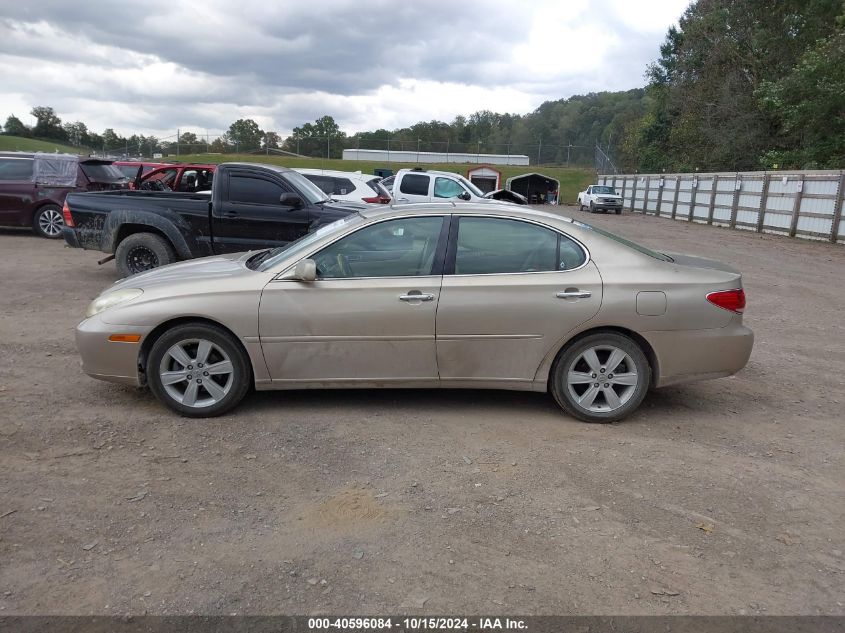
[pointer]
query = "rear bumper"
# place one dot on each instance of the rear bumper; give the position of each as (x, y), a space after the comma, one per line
(105, 360)
(690, 355)
(70, 237)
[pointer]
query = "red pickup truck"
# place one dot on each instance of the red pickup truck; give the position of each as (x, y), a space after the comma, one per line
(188, 177)
(33, 187)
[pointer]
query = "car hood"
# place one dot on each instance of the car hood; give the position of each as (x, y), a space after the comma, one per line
(190, 272)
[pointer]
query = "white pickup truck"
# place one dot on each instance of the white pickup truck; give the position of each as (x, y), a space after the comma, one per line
(425, 185)
(600, 198)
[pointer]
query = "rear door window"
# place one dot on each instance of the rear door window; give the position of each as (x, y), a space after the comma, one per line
(414, 184)
(492, 245)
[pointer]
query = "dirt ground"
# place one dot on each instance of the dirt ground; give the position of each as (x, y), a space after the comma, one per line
(724, 497)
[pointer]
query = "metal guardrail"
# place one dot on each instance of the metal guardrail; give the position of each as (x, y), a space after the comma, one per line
(805, 204)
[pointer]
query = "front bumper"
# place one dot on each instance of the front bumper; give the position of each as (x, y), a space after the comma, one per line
(607, 205)
(106, 360)
(690, 355)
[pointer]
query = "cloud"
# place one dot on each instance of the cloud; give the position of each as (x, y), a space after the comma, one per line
(159, 66)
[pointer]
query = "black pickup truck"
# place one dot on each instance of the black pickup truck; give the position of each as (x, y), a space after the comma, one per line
(250, 207)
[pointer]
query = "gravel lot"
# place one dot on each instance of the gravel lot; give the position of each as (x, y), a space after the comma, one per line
(720, 497)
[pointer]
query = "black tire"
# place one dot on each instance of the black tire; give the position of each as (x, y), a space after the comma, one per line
(571, 356)
(580, 206)
(140, 252)
(223, 345)
(618, 211)
(592, 208)
(48, 222)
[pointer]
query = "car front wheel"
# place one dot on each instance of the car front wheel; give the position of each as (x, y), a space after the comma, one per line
(198, 370)
(601, 378)
(48, 222)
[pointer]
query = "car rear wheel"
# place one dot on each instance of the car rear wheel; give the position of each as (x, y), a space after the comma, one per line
(198, 370)
(141, 252)
(601, 378)
(48, 222)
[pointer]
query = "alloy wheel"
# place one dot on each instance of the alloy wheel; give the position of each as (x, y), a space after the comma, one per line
(51, 222)
(196, 373)
(602, 379)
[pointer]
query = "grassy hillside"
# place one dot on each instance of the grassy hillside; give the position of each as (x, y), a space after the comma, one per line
(20, 144)
(572, 180)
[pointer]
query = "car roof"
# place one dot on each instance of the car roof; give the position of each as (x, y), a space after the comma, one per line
(334, 172)
(464, 208)
(430, 171)
(277, 168)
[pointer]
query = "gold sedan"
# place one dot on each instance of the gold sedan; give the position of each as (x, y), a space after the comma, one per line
(489, 296)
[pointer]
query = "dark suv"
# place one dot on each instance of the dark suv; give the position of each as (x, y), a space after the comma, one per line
(33, 187)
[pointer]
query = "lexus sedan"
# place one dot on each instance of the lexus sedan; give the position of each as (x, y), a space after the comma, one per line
(430, 296)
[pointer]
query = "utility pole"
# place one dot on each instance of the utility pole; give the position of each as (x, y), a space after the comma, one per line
(568, 148)
(178, 134)
(419, 140)
(539, 149)
(478, 153)
(328, 145)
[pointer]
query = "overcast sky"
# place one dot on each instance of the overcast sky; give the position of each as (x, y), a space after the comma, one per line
(154, 66)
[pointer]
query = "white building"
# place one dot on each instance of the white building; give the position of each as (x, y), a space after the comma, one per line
(405, 156)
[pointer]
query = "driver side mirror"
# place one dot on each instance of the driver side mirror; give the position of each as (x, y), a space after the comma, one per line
(290, 200)
(306, 270)
(465, 196)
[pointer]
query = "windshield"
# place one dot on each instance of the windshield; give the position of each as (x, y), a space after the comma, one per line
(609, 190)
(311, 191)
(298, 247)
(621, 240)
(475, 190)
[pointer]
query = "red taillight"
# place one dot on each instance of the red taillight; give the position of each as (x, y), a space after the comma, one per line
(733, 300)
(68, 218)
(377, 200)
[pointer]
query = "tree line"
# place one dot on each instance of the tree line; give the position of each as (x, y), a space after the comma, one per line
(738, 85)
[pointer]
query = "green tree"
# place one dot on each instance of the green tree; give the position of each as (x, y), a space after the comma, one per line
(48, 125)
(77, 134)
(271, 140)
(15, 127)
(245, 135)
(808, 106)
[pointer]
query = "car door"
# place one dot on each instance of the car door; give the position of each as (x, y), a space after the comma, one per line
(369, 316)
(414, 188)
(512, 289)
(249, 215)
(17, 190)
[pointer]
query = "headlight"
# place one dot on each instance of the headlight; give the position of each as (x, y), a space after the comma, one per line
(111, 299)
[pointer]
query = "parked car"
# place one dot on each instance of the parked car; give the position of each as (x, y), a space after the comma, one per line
(600, 198)
(425, 185)
(33, 187)
(183, 177)
(134, 170)
(439, 295)
(348, 186)
(387, 183)
(251, 206)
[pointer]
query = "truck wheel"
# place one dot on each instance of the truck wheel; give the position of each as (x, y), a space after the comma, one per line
(48, 222)
(580, 206)
(618, 211)
(592, 207)
(142, 251)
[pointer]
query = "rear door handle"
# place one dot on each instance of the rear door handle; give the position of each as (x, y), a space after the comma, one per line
(416, 297)
(574, 294)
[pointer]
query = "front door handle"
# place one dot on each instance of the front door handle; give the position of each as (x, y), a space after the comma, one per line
(574, 294)
(416, 297)
(401, 200)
